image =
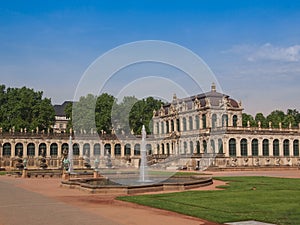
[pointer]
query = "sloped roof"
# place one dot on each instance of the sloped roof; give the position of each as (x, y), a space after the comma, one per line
(60, 109)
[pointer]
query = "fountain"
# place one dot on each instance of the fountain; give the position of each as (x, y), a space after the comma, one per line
(143, 164)
(125, 180)
(70, 156)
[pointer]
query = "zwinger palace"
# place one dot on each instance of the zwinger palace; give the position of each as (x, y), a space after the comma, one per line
(186, 132)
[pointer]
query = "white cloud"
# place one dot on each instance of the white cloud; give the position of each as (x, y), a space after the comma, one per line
(267, 52)
(273, 53)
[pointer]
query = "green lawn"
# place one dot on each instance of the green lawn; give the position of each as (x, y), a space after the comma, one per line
(273, 200)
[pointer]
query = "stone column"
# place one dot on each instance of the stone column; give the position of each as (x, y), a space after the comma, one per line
(291, 147)
(59, 149)
(225, 147)
(280, 148)
(271, 147)
(238, 147)
(260, 147)
(249, 147)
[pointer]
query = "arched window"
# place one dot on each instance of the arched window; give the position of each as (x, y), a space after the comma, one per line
(225, 120)
(6, 149)
(296, 147)
(244, 151)
(64, 148)
(220, 144)
(254, 146)
(137, 149)
(172, 125)
(168, 149)
(265, 147)
(213, 147)
(276, 147)
(162, 149)
(178, 124)
(158, 149)
(127, 149)
(167, 126)
(30, 149)
(157, 127)
(214, 121)
(190, 123)
(86, 149)
(205, 147)
(232, 147)
(184, 147)
(234, 121)
(149, 149)
(184, 123)
(97, 150)
(204, 121)
(76, 149)
(197, 120)
(107, 149)
(162, 127)
(117, 149)
(42, 149)
(19, 149)
(53, 149)
(198, 147)
(191, 147)
(286, 147)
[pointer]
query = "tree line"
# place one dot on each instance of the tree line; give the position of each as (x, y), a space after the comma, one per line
(23, 108)
(108, 116)
(276, 117)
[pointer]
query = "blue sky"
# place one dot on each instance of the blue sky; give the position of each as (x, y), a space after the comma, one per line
(253, 47)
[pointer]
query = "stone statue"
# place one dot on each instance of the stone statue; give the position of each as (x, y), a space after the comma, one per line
(153, 113)
(86, 160)
(267, 163)
(298, 162)
(66, 164)
(289, 162)
(42, 159)
(233, 162)
(256, 162)
(246, 161)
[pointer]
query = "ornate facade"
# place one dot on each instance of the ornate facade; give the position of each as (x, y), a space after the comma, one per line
(187, 131)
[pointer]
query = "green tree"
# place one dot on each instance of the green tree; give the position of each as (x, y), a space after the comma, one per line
(83, 113)
(25, 108)
(120, 114)
(247, 117)
(141, 114)
(68, 112)
(260, 117)
(293, 117)
(103, 112)
(276, 117)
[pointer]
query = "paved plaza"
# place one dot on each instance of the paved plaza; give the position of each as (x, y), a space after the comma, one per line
(40, 201)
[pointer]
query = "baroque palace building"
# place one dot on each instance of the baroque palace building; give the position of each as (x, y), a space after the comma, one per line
(195, 132)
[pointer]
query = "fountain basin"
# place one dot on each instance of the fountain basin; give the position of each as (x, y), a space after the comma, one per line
(106, 186)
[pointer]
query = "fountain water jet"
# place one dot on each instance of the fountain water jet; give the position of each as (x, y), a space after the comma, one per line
(70, 156)
(143, 165)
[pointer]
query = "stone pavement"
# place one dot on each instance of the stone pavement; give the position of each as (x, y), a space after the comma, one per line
(39, 201)
(19, 206)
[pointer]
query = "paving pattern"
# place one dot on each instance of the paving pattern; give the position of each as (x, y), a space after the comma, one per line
(39, 201)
